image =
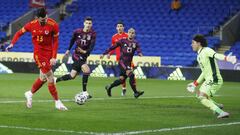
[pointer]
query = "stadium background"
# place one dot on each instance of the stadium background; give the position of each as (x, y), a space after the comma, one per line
(165, 37)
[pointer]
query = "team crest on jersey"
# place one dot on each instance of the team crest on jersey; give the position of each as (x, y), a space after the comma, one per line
(134, 45)
(46, 32)
(88, 37)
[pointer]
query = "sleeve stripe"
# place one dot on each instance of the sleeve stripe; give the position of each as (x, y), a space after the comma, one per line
(214, 55)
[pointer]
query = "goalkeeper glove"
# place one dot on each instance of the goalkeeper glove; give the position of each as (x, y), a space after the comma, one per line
(191, 86)
(231, 59)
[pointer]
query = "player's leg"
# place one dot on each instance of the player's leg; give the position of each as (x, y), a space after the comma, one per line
(76, 68)
(66, 77)
(124, 90)
(118, 81)
(52, 89)
(114, 84)
(86, 72)
(132, 82)
(206, 91)
(35, 87)
(214, 89)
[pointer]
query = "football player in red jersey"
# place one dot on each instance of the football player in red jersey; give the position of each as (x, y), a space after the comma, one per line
(115, 38)
(45, 34)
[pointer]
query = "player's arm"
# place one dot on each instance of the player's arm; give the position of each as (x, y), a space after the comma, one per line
(111, 48)
(112, 52)
(192, 86)
(227, 58)
(139, 50)
(72, 41)
(55, 44)
(18, 34)
(55, 41)
(211, 53)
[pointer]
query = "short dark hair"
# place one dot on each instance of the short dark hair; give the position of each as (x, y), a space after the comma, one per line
(201, 39)
(41, 12)
(120, 22)
(88, 18)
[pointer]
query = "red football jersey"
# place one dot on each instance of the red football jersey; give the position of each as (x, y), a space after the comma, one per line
(44, 38)
(116, 38)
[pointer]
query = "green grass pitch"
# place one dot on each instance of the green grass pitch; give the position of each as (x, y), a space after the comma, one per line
(165, 108)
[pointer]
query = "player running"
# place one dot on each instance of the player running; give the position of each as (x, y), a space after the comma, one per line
(127, 50)
(85, 39)
(45, 34)
(115, 38)
(210, 77)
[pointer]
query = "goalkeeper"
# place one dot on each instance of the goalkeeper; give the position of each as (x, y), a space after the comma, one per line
(210, 77)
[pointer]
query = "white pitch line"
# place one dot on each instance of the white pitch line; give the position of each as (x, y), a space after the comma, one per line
(70, 100)
(120, 98)
(177, 128)
(121, 133)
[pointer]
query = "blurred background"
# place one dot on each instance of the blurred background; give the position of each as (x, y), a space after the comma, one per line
(163, 29)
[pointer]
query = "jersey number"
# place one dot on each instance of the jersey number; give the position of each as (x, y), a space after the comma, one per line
(83, 42)
(40, 38)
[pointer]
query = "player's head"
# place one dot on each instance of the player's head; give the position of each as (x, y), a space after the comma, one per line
(131, 33)
(198, 42)
(120, 27)
(42, 16)
(87, 23)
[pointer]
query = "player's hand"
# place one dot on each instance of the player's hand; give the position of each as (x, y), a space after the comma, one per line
(108, 56)
(67, 52)
(53, 61)
(101, 56)
(140, 54)
(191, 87)
(9, 47)
(231, 59)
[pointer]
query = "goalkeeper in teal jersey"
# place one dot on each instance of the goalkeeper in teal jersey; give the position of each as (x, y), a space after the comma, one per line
(210, 77)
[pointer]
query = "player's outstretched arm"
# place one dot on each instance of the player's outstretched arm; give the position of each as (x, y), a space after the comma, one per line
(15, 38)
(111, 48)
(8, 47)
(232, 59)
(228, 58)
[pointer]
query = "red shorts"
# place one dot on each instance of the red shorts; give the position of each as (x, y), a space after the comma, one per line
(43, 63)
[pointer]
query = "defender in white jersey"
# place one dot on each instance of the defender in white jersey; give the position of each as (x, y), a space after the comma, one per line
(210, 77)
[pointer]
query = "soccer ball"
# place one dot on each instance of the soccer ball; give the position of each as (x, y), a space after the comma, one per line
(80, 98)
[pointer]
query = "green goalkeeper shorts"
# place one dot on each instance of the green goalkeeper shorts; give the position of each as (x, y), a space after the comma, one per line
(210, 88)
